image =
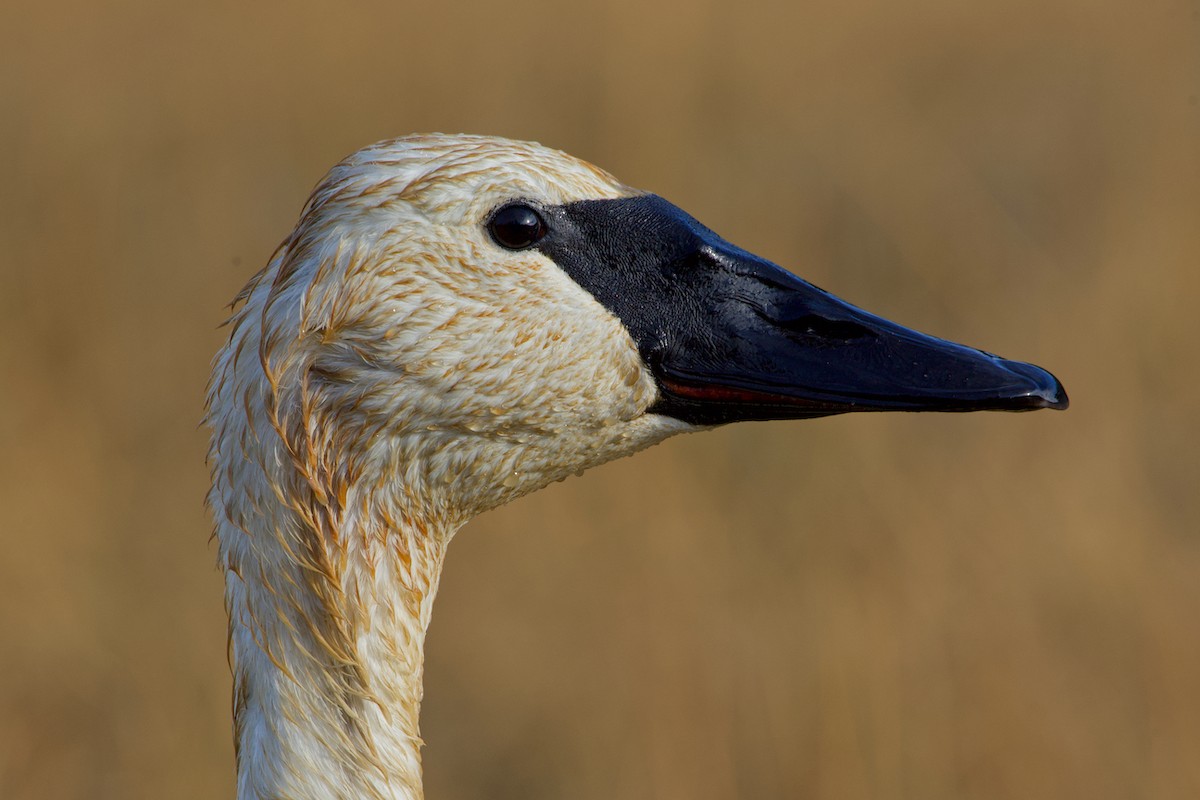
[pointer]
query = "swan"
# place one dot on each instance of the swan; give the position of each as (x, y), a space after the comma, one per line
(454, 322)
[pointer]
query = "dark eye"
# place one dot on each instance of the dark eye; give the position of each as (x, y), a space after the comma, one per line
(516, 226)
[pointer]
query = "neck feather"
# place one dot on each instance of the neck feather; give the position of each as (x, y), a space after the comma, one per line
(328, 610)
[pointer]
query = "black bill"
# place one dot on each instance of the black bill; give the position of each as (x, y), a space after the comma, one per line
(730, 336)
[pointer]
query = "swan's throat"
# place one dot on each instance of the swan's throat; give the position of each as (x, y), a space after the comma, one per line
(327, 650)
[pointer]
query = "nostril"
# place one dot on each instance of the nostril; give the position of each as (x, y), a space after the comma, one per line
(823, 327)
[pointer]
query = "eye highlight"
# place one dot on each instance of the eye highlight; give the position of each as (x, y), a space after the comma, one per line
(516, 226)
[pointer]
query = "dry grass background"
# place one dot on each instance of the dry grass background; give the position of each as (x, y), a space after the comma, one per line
(980, 606)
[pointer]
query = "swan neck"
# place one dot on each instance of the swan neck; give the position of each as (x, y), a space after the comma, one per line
(327, 651)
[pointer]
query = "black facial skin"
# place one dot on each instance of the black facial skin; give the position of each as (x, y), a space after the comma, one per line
(730, 336)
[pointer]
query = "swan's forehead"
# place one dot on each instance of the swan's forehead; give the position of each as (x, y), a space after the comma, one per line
(456, 179)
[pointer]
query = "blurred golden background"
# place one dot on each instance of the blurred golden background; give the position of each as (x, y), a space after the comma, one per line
(891, 606)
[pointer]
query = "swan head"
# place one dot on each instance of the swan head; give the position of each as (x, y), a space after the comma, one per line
(458, 320)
